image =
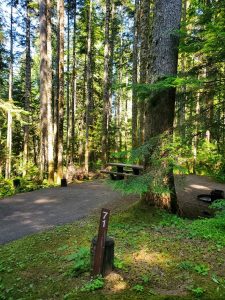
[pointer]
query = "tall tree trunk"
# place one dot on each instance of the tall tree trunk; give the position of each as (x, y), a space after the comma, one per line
(9, 116)
(27, 89)
(144, 58)
(135, 76)
(68, 87)
(74, 85)
(106, 89)
(89, 92)
(60, 10)
(196, 129)
(43, 83)
(111, 60)
(119, 99)
(181, 105)
(161, 105)
(49, 97)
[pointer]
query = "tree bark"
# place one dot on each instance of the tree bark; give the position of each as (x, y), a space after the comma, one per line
(27, 90)
(106, 88)
(9, 116)
(144, 58)
(60, 10)
(89, 92)
(43, 83)
(68, 88)
(74, 85)
(160, 106)
(135, 76)
(49, 98)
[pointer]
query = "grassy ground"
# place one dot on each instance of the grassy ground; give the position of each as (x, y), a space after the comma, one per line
(158, 256)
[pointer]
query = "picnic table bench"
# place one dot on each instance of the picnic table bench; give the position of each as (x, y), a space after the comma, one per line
(123, 170)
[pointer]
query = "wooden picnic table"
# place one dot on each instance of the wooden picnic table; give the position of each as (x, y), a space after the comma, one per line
(123, 170)
(120, 167)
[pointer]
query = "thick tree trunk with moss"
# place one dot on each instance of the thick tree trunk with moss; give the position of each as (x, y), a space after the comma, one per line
(161, 105)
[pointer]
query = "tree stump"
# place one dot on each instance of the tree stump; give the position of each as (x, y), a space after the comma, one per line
(108, 260)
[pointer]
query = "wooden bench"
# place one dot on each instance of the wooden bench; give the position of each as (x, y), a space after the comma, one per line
(121, 172)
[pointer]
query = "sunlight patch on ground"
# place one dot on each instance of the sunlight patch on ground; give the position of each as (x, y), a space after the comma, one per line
(26, 222)
(43, 201)
(151, 258)
(199, 187)
(115, 282)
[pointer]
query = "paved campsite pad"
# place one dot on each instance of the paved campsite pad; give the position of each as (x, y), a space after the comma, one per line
(188, 187)
(39, 210)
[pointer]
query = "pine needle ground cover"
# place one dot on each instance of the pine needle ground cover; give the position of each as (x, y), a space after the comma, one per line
(157, 256)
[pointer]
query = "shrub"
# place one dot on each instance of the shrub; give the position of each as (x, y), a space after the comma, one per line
(6, 188)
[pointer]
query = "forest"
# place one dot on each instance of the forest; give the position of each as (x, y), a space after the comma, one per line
(88, 86)
(87, 82)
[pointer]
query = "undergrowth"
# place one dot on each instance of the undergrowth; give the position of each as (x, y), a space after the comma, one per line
(26, 185)
(157, 256)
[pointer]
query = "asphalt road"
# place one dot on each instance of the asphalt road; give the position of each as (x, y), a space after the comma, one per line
(27, 213)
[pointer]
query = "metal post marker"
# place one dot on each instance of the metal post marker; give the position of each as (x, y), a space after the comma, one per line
(100, 246)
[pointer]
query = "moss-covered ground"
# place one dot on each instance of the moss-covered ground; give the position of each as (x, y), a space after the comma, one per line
(157, 256)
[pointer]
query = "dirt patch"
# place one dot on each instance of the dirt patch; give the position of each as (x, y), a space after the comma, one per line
(188, 187)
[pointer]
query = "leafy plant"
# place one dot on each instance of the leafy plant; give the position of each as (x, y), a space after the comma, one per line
(145, 278)
(197, 292)
(94, 284)
(119, 264)
(201, 269)
(6, 188)
(186, 265)
(81, 262)
(219, 206)
(138, 288)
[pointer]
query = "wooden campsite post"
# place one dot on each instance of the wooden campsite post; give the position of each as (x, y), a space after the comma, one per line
(100, 245)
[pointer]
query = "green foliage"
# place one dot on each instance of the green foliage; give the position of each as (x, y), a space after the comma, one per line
(210, 229)
(209, 161)
(172, 221)
(219, 206)
(135, 185)
(6, 188)
(81, 262)
(197, 291)
(201, 269)
(138, 288)
(190, 266)
(146, 248)
(160, 162)
(118, 263)
(145, 278)
(165, 153)
(16, 111)
(186, 265)
(94, 284)
(30, 182)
